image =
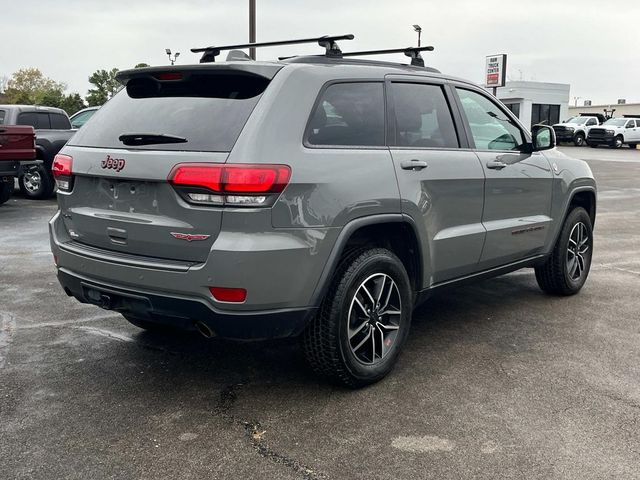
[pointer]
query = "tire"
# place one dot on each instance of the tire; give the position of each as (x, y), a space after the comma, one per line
(341, 353)
(633, 146)
(578, 140)
(37, 183)
(617, 142)
(564, 272)
(6, 189)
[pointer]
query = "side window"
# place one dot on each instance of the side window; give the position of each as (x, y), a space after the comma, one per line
(423, 117)
(349, 114)
(59, 121)
(490, 127)
(28, 118)
(80, 119)
(630, 124)
(591, 122)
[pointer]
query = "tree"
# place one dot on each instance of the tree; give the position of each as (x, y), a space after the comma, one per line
(106, 86)
(142, 65)
(30, 86)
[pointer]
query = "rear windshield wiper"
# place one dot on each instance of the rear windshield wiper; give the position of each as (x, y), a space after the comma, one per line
(149, 138)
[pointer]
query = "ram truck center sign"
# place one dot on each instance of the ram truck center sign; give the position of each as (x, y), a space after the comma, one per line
(496, 71)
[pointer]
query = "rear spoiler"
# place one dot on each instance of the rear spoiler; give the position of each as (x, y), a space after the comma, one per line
(264, 70)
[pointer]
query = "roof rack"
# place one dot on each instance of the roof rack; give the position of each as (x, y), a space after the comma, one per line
(209, 54)
(412, 52)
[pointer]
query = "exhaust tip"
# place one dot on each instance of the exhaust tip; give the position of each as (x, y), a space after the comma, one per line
(204, 329)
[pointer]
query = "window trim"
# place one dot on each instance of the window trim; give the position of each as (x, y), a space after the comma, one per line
(391, 117)
(465, 122)
(323, 89)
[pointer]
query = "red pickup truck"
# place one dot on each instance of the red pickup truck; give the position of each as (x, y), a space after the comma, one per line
(17, 143)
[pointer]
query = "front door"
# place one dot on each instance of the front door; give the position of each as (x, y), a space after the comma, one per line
(518, 185)
(441, 184)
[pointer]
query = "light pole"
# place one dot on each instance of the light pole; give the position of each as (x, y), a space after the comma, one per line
(418, 29)
(175, 56)
(252, 27)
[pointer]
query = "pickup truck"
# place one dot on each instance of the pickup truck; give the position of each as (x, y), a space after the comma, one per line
(576, 129)
(616, 132)
(53, 130)
(17, 143)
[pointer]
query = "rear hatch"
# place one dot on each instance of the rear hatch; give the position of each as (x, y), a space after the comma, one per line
(17, 142)
(119, 198)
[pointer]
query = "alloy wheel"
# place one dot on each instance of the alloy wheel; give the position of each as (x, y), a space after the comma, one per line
(374, 318)
(577, 250)
(32, 181)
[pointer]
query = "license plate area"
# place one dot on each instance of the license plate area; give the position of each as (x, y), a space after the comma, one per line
(114, 300)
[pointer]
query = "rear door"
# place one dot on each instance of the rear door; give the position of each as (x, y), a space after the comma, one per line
(517, 203)
(441, 181)
(121, 199)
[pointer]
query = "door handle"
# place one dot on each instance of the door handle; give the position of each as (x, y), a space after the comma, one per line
(496, 165)
(414, 164)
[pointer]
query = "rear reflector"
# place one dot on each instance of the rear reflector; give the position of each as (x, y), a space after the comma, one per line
(62, 165)
(223, 294)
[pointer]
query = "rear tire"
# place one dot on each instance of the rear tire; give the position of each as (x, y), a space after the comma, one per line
(567, 269)
(578, 140)
(364, 319)
(37, 183)
(6, 189)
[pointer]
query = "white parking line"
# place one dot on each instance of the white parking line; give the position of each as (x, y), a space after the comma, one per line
(69, 322)
(107, 333)
(7, 328)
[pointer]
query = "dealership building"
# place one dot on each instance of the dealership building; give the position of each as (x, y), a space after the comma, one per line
(536, 102)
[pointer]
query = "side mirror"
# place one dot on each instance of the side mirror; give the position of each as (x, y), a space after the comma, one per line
(544, 138)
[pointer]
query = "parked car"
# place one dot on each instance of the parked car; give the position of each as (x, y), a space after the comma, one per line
(53, 129)
(256, 200)
(17, 144)
(81, 117)
(577, 128)
(616, 132)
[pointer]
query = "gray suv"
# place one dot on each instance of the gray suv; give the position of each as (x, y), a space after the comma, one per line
(321, 197)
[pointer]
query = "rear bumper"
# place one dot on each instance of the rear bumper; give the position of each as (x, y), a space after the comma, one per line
(9, 169)
(182, 312)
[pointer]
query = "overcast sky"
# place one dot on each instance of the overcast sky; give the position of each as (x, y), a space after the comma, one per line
(594, 45)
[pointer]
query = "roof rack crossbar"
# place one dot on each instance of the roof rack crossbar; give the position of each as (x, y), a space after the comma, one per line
(209, 54)
(412, 52)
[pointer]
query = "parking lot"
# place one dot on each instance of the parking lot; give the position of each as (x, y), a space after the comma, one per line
(497, 380)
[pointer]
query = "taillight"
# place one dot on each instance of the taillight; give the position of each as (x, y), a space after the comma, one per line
(237, 184)
(62, 169)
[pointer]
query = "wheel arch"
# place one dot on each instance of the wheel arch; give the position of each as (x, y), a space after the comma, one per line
(397, 232)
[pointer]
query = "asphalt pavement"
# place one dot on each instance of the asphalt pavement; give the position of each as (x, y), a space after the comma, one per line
(498, 380)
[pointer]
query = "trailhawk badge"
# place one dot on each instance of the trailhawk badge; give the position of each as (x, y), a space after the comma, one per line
(189, 237)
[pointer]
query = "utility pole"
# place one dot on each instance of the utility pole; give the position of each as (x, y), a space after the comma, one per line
(252, 27)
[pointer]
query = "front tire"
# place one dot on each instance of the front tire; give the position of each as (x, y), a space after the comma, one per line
(364, 319)
(36, 183)
(578, 140)
(617, 142)
(633, 146)
(567, 269)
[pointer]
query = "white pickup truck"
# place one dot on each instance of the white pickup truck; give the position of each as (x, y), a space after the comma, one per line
(616, 132)
(576, 129)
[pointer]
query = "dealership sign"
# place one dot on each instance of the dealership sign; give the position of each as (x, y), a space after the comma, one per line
(496, 72)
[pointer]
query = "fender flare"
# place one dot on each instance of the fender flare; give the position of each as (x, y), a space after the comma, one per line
(570, 196)
(343, 238)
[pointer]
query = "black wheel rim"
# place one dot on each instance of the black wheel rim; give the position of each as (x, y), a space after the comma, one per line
(577, 251)
(374, 318)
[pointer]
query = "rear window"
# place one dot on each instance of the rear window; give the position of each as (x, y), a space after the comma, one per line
(35, 119)
(59, 121)
(209, 111)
